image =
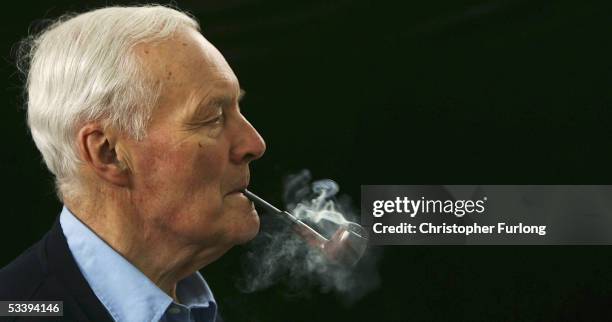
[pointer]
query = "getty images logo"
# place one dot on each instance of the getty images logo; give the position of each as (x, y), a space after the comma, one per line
(413, 207)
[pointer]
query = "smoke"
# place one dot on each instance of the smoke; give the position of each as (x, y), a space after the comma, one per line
(279, 255)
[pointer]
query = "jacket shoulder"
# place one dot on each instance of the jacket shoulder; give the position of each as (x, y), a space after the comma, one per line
(21, 278)
(47, 272)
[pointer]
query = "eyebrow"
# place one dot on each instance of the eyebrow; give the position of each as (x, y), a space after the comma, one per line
(221, 101)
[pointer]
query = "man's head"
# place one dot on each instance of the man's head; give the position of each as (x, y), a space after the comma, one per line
(133, 107)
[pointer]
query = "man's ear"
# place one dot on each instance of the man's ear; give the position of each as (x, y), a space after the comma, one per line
(96, 148)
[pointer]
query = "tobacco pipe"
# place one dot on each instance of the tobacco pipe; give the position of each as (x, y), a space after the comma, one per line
(346, 246)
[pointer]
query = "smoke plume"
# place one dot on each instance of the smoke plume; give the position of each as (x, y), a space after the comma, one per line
(279, 255)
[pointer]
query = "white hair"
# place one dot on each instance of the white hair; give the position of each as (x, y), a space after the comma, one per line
(83, 68)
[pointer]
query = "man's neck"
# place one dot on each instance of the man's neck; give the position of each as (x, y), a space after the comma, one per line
(156, 254)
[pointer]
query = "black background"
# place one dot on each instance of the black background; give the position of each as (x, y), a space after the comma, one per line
(383, 92)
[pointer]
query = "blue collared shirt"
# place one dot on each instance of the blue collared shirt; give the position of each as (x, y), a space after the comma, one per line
(127, 294)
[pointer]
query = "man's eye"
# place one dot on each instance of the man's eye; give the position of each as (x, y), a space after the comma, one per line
(218, 120)
(209, 122)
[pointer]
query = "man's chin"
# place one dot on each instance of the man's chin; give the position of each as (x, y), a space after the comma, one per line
(249, 231)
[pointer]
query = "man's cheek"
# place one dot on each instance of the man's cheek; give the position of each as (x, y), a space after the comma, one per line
(177, 166)
(210, 166)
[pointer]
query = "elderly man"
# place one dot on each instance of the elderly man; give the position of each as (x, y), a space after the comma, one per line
(137, 116)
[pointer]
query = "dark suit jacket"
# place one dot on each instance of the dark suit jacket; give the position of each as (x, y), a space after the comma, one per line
(47, 271)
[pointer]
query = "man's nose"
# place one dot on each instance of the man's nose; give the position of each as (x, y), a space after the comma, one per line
(248, 145)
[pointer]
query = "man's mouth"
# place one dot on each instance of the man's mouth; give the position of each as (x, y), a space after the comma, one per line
(240, 189)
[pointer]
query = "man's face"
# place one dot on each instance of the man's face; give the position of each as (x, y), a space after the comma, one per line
(194, 160)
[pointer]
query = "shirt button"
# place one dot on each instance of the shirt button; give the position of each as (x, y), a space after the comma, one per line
(174, 310)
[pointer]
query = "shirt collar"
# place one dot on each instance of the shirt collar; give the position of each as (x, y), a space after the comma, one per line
(124, 290)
